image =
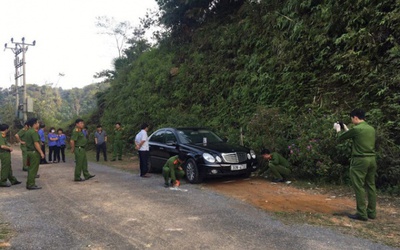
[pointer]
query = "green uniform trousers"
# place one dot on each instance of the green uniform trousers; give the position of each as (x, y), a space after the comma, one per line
(6, 171)
(166, 172)
(117, 148)
(24, 157)
(362, 175)
(279, 171)
(33, 157)
(81, 164)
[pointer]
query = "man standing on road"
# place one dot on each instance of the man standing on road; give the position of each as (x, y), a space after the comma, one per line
(5, 158)
(34, 153)
(173, 170)
(78, 143)
(277, 165)
(100, 139)
(20, 136)
(117, 144)
(42, 142)
(142, 145)
(363, 163)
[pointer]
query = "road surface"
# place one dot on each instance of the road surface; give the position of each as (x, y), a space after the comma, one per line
(120, 210)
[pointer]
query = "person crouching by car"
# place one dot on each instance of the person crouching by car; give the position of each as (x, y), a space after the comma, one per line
(173, 170)
(277, 165)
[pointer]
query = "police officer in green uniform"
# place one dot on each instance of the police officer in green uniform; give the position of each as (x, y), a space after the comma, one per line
(117, 145)
(78, 143)
(5, 158)
(33, 152)
(20, 136)
(277, 165)
(173, 170)
(363, 163)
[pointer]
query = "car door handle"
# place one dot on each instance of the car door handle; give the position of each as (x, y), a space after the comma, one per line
(161, 148)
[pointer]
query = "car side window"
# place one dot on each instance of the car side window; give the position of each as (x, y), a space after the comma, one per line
(159, 137)
(170, 137)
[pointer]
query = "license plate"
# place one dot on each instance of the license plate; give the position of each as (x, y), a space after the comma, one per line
(238, 167)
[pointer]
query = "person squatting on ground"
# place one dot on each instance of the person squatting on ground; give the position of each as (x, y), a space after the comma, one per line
(34, 153)
(173, 170)
(20, 136)
(42, 142)
(277, 165)
(362, 164)
(78, 143)
(52, 138)
(142, 145)
(61, 144)
(118, 143)
(100, 139)
(5, 158)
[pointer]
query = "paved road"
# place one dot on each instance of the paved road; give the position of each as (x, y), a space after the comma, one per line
(119, 210)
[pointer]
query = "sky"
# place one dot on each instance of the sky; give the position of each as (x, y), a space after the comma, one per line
(69, 49)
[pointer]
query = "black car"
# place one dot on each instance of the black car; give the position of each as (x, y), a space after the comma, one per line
(208, 154)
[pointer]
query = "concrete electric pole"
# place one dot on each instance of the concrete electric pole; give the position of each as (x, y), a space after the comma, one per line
(20, 47)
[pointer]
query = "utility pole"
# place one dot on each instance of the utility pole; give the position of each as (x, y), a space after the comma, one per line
(20, 47)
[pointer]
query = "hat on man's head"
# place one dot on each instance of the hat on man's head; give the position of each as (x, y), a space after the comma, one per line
(182, 156)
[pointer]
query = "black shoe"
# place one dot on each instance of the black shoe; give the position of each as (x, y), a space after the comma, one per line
(5, 185)
(25, 169)
(356, 217)
(166, 185)
(371, 217)
(16, 183)
(33, 188)
(80, 179)
(113, 160)
(63, 160)
(37, 176)
(120, 159)
(277, 180)
(90, 177)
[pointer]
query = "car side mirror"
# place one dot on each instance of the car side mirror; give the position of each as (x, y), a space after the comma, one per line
(171, 143)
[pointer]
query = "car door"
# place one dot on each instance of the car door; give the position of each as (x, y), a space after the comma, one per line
(157, 150)
(171, 143)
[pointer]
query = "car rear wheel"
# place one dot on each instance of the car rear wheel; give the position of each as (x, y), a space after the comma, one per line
(193, 174)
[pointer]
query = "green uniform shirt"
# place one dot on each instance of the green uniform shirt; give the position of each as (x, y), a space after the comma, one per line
(363, 136)
(173, 164)
(278, 159)
(31, 136)
(118, 134)
(21, 134)
(3, 142)
(79, 138)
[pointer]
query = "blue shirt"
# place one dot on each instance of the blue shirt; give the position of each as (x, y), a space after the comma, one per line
(61, 140)
(41, 135)
(52, 136)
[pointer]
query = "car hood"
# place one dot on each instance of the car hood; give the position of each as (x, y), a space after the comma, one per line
(220, 147)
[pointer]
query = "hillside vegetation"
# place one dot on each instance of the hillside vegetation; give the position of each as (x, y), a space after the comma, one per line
(281, 71)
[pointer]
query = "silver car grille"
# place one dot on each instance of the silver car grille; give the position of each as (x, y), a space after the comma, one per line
(234, 157)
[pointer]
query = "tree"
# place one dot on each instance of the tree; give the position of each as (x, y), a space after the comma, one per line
(118, 30)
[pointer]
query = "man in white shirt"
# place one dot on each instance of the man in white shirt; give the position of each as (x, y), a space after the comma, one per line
(142, 145)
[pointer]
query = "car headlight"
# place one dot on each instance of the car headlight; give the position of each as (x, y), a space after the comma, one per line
(253, 154)
(218, 158)
(208, 157)
(248, 156)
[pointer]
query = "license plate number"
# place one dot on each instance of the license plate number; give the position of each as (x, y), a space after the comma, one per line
(238, 167)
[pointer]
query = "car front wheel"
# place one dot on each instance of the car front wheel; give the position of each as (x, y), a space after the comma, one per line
(193, 174)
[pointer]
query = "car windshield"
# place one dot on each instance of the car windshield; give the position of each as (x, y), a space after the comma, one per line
(196, 136)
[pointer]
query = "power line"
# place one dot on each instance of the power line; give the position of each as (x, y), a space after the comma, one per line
(20, 47)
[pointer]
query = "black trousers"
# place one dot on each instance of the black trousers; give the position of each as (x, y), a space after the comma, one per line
(144, 160)
(43, 146)
(101, 148)
(61, 149)
(53, 153)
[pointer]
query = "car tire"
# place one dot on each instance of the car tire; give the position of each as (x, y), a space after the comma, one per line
(193, 175)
